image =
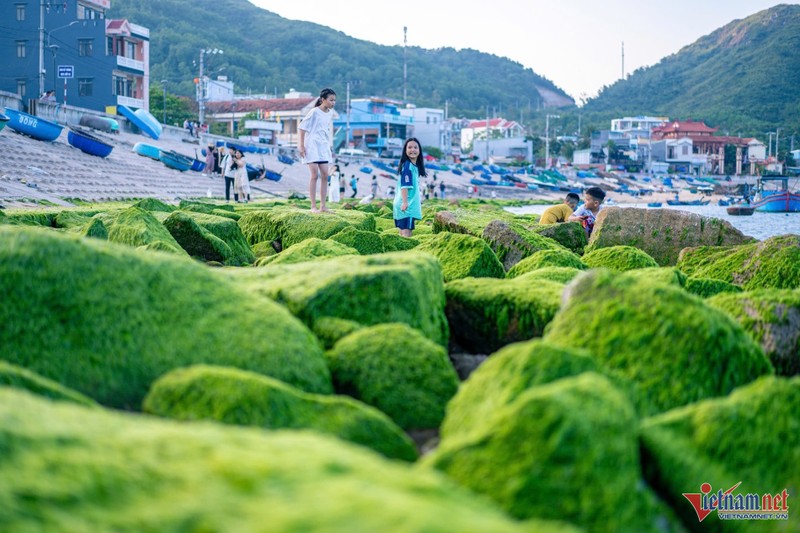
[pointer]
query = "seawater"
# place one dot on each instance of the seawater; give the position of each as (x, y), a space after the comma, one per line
(760, 225)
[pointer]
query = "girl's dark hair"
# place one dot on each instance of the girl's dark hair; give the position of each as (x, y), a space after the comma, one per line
(323, 94)
(420, 159)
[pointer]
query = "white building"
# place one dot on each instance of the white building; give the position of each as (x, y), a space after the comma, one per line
(637, 126)
(219, 90)
(429, 126)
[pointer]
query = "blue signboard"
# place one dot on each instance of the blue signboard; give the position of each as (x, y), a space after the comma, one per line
(66, 71)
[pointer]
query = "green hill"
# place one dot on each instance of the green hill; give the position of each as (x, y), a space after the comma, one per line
(265, 53)
(743, 78)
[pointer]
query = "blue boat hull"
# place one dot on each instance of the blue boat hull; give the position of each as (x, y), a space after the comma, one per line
(141, 121)
(88, 143)
(148, 150)
(781, 202)
(176, 161)
(38, 128)
(198, 165)
(3, 121)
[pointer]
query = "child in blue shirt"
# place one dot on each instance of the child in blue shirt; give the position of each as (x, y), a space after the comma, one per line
(407, 206)
(587, 213)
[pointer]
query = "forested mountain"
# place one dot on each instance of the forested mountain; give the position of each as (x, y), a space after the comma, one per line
(742, 78)
(265, 53)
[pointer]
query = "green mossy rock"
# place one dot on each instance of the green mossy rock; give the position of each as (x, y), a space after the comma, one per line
(366, 242)
(546, 258)
(243, 398)
(383, 224)
(263, 249)
(107, 320)
(751, 436)
(20, 378)
(558, 274)
(401, 287)
(312, 249)
(507, 374)
(661, 233)
(392, 242)
(31, 218)
(395, 369)
(770, 264)
(469, 221)
(665, 275)
(772, 318)
(69, 218)
(512, 242)
(68, 468)
(707, 287)
(329, 330)
(570, 235)
(82, 224)
(486, 314)
(210, 238)
(152, 204)
(290, 226)
(618, 258)
(138, 228)
(567, 450)
(673, 347)
(463, 256)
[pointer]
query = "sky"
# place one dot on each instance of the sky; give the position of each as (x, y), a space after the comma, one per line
(576, 44)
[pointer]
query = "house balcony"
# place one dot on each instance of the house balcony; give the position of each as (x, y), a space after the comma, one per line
(130, 64)
(130, 102)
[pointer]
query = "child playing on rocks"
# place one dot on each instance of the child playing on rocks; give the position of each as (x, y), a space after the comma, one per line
(587, 213)
(315, 145)
(560, 212)
(407, 206)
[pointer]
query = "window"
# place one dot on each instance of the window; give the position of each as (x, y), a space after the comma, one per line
(685, 149)
(85, 86)
(85, 47)
(20, 12)
(22, 87)
(21, 48)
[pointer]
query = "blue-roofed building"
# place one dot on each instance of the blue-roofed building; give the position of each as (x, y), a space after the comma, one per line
(374, 124)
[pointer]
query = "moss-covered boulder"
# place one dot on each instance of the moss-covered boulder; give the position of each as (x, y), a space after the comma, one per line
(401, 287)
(263, 249)
(224, 210)
(707, 287)
(210, 238)
(289, 226)
(121, 473)
(770, 264)
(507, 374)
(618, 258)
(512, 242)
(673, 347)
(566, 450)
(138, 228)
(468, 221)
(486, 314)
(31, 218)
(107, 320)
(366, 242)
(561, 275)
(329, 330)
(392, 242)
(666, 275)
(81, 223)
(463, 256)
(394, 368)
(750, 437)
(153, 204)
(546, 258)
(772, 318)
(20, 378)
(244, 398)
(661, 233)
(312, 249)
(570, 235)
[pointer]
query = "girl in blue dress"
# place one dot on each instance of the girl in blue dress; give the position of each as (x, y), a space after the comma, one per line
(407, 205)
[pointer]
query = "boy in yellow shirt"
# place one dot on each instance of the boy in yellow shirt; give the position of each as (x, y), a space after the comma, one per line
(560, 212)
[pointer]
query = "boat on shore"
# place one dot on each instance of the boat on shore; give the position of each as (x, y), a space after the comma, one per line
(688, 202)
(88, 143)
(740, 210)
(175, 160)
(147, 150)
(3, 121)
(780, 200)
(33, 126)
(653, 204)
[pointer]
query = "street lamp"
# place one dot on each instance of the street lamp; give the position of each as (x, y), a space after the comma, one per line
(53, 50)
(547, 140)
(42, 32)
(164, 88)
(201, 96)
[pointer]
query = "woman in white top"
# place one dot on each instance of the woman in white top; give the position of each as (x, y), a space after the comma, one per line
(315, 145)
(333, 186)
(241, 184)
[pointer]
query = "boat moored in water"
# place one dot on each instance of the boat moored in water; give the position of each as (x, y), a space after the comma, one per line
(780, 200)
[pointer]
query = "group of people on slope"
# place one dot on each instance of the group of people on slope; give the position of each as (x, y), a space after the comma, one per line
(231, 165)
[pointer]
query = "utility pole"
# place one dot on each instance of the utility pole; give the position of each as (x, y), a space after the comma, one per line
(347, 128)
(487, 134)
(777, 134)
(41, 49)
(405, 64)
(547, 140)
(623, 60)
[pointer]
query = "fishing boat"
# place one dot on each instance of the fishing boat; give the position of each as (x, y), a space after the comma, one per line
(688, 202)
(106, 124)
(33, 126)
(780, 200)
(88, 143)
(272, 175)
(198, 165)
(147, 150)
(740, 210)
(653, 204)
(142, 119)
(3, 121)
(175, 160)
(283, 158)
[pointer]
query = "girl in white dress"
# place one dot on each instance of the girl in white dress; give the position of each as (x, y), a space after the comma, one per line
(333, 186)
(241, 184)
(315, 145)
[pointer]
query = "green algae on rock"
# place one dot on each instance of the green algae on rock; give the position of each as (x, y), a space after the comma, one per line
(570, 235)
(561, 275)
(546, 258)
(244, 398)
(618, 258)
(107, 471)
(107, 320)
(394, 368)
(772, 318)
(463, 256)
(512, 242)
(673, 347)
(366, 242)
(329, 330)
(486, 314)
(401, 287)
(138, 228)
(210, 237)
(392, 242)
(312, 249)
(666, 275)
(565, 450)
(153, 204)
(20, 378)
(750, 436)
(707, 287)
(289, 226)
(770, 264)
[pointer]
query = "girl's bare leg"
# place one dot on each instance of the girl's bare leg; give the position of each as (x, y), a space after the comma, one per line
(312, 186)
(323, 185)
